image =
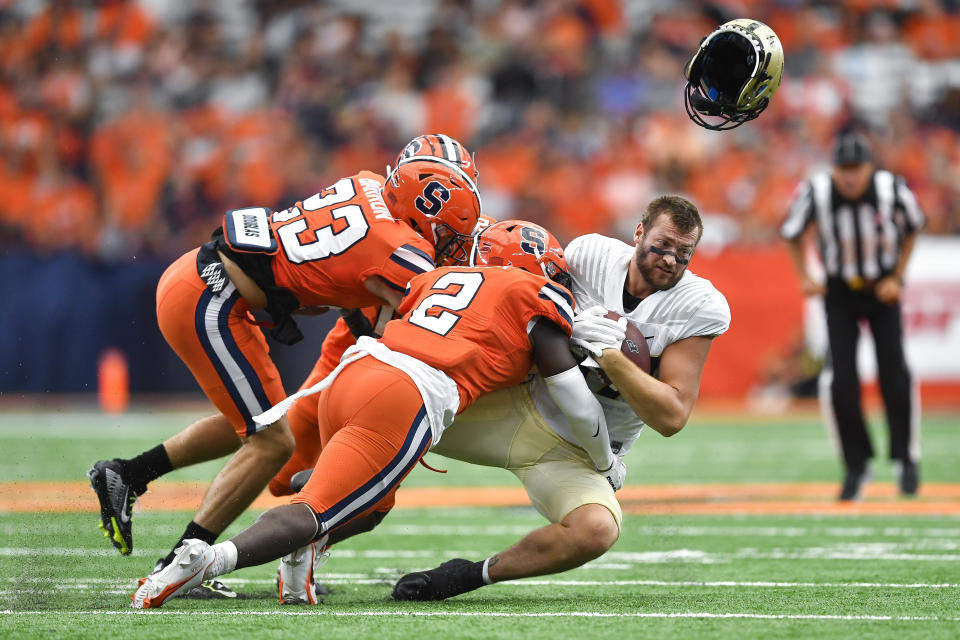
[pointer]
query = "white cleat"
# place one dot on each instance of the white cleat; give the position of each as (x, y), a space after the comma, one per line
(177, 578)
(295, 581)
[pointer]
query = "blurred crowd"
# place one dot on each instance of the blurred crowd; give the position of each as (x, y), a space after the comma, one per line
(128, 127)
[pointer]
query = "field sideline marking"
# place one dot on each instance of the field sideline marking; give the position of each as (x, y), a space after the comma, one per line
(713, 498)
(494, 614)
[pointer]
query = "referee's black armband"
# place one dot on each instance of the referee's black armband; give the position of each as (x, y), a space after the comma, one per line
(357, 322)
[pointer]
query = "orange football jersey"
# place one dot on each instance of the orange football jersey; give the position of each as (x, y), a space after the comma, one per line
(334, 240)
(339, 339)
(472, 323)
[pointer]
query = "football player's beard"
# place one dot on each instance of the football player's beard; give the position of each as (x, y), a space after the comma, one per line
(646, 271)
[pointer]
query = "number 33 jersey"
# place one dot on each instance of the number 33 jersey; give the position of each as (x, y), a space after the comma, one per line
(330, 243)
(472, 323)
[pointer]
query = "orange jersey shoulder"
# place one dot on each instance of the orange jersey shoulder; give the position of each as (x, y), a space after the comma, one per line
(334, 240)
(473, 323)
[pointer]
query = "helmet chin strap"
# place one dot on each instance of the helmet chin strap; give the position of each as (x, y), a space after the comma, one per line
(472, 262)
(437, 239)
(539, 256)
(705, 105)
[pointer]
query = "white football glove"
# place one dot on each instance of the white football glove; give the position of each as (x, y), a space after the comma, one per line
(616, 474)
(593, 332)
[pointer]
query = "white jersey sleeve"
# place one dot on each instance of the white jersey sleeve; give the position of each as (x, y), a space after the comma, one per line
(692, 307)
(599, 268)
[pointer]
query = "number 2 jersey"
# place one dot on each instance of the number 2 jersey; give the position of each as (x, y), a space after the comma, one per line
(463, 332)
(472, 324)
(321, 251)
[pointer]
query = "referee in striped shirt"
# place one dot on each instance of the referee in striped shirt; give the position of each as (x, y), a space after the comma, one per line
(866, 222)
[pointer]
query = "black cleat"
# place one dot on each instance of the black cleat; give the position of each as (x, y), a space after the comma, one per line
(451, 578)
(299, 480)
(210, 590)
(116, 503)
(854, 481)
(909, 478)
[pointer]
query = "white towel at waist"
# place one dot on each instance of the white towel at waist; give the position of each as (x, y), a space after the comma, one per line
(440, 394)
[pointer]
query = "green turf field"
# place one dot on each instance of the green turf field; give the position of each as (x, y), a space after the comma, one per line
(721, 576)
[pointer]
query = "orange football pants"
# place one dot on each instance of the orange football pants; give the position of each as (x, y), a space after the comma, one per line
(305, 427)
(227, 354)
(373, 431)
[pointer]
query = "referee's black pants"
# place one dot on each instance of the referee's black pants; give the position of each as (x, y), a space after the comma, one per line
(845, 308)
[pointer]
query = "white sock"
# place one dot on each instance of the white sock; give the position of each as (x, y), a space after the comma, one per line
(486, 572)
(224, 560)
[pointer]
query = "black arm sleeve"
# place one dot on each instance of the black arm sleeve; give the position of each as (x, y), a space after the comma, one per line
(357, 322)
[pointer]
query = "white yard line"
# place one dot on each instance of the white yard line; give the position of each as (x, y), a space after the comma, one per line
(494, 614)
(794, 532)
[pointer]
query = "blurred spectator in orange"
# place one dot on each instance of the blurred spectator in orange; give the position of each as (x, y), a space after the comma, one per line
(131, 157)
(62, 210)
(171, 112)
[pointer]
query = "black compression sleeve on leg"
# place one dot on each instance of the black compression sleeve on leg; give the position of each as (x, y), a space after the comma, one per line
(145, 468)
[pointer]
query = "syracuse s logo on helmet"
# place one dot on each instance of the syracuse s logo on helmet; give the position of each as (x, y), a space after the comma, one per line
(434, 195)
(534, 242)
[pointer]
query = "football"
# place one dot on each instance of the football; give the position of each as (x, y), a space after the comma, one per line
(634, 346)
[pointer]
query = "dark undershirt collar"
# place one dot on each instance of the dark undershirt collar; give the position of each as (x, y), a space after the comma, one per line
(630, 302)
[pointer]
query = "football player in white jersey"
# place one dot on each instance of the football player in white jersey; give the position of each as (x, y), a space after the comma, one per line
(522, 430)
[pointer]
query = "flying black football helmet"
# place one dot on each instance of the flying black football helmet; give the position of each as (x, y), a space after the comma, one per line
(733, 74)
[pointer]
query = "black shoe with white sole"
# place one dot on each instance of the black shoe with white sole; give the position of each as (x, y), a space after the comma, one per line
(451, 578)
(116, 503)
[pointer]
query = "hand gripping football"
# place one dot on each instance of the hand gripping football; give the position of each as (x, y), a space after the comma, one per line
(634, 346)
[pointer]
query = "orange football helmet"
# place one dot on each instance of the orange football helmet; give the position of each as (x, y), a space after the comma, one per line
(438, 199)
(438, 145)
(522, 244)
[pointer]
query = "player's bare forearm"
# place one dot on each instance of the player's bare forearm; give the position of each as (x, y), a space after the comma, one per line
(656, 403)
(663, 403)
(379, 288)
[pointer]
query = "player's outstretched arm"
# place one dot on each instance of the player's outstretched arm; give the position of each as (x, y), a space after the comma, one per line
(665, 402)
(567, 387)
